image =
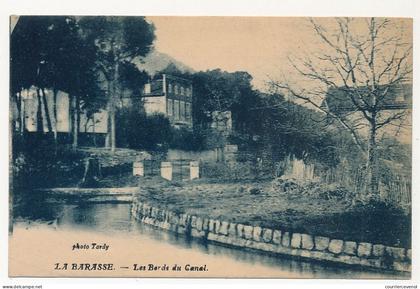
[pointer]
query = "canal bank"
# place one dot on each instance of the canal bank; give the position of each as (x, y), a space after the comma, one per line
(132, 242)
(286, 243)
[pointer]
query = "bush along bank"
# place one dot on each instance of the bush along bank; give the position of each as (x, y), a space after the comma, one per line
(276, 241)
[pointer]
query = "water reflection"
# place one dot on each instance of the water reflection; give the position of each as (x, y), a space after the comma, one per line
(115, 218)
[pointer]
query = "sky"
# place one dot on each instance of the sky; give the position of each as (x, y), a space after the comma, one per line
(259, 45)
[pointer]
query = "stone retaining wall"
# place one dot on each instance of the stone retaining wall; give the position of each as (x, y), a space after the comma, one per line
(276, 241)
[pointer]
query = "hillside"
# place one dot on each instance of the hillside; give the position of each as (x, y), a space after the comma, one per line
(156, 61)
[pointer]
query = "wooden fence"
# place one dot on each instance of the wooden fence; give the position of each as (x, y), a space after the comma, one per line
(394, 188)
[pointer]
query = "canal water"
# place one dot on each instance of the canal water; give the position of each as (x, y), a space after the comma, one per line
(72, 219)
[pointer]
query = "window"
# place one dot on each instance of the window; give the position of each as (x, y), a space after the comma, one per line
(170, 107)
(182, 90)
(176, 89)
(170, 88)
(187, 110)
(147, 88)
(182, 110)
(176, 109)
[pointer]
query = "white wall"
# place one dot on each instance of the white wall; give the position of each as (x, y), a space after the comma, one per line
(101, 122)
(62, 123)
(155, 104)
(207, 155)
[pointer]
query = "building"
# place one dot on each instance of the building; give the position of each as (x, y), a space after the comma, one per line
(398, 99)
(56, 111)
(170, 96)
(165, 94)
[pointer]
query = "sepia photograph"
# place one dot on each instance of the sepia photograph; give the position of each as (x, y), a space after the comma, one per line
(210, 147)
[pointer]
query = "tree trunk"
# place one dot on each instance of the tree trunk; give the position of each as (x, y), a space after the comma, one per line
(55, 115)
(112, 108)
(112, 137)
(93, 130)
(39, 119)
(75, 132)
(18, 101)
(23, 118)
(47, 112)
(373, 165)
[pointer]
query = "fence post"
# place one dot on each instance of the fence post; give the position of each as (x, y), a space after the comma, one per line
(166, 170)
(194, 170)
(138, 168)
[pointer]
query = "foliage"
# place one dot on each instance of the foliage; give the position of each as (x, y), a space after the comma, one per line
(132, 79)
(118, 41)
(216, 90)
(137, 130)
(49, 52)
(196, 139)
(39, 163)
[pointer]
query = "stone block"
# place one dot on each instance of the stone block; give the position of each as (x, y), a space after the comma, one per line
(239, 242)
(378, 250)
(181, 230)
(154, 212)
(305, 254)
(199, 223)
(401, 266)
(296, 240)
(250, 244)
(335, 246)
(345, 259)
(267, 235)
(160, 214)
(307, 242)
(364, 249)
(184, 220)
(212, 236)
(395, 252)
(167, 215)
(223, 228)
(217, 224)
(212, 226)
(206, 224)
(240, 230)
(173, 227)
(285, 240)
(277, 237)
(350, 248)
(321, 243)
(232, 230)
(174, 219)
(146, 210)
(193, 221)
(248, 232)
(197, 233)
(166, 226)
(256, 234)
(264, 247)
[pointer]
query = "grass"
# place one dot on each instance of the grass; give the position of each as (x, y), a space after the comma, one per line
(261, 203)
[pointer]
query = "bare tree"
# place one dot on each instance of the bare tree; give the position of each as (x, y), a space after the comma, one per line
(356, 79)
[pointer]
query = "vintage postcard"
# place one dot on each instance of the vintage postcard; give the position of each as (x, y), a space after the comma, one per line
(215, 147)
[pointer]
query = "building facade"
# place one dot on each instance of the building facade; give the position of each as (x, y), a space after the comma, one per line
(170, 96)
(397, 102)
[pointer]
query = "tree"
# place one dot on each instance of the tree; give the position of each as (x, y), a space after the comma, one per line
(119, 40)
(355, 81)
(48, 52)
(216, 90)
